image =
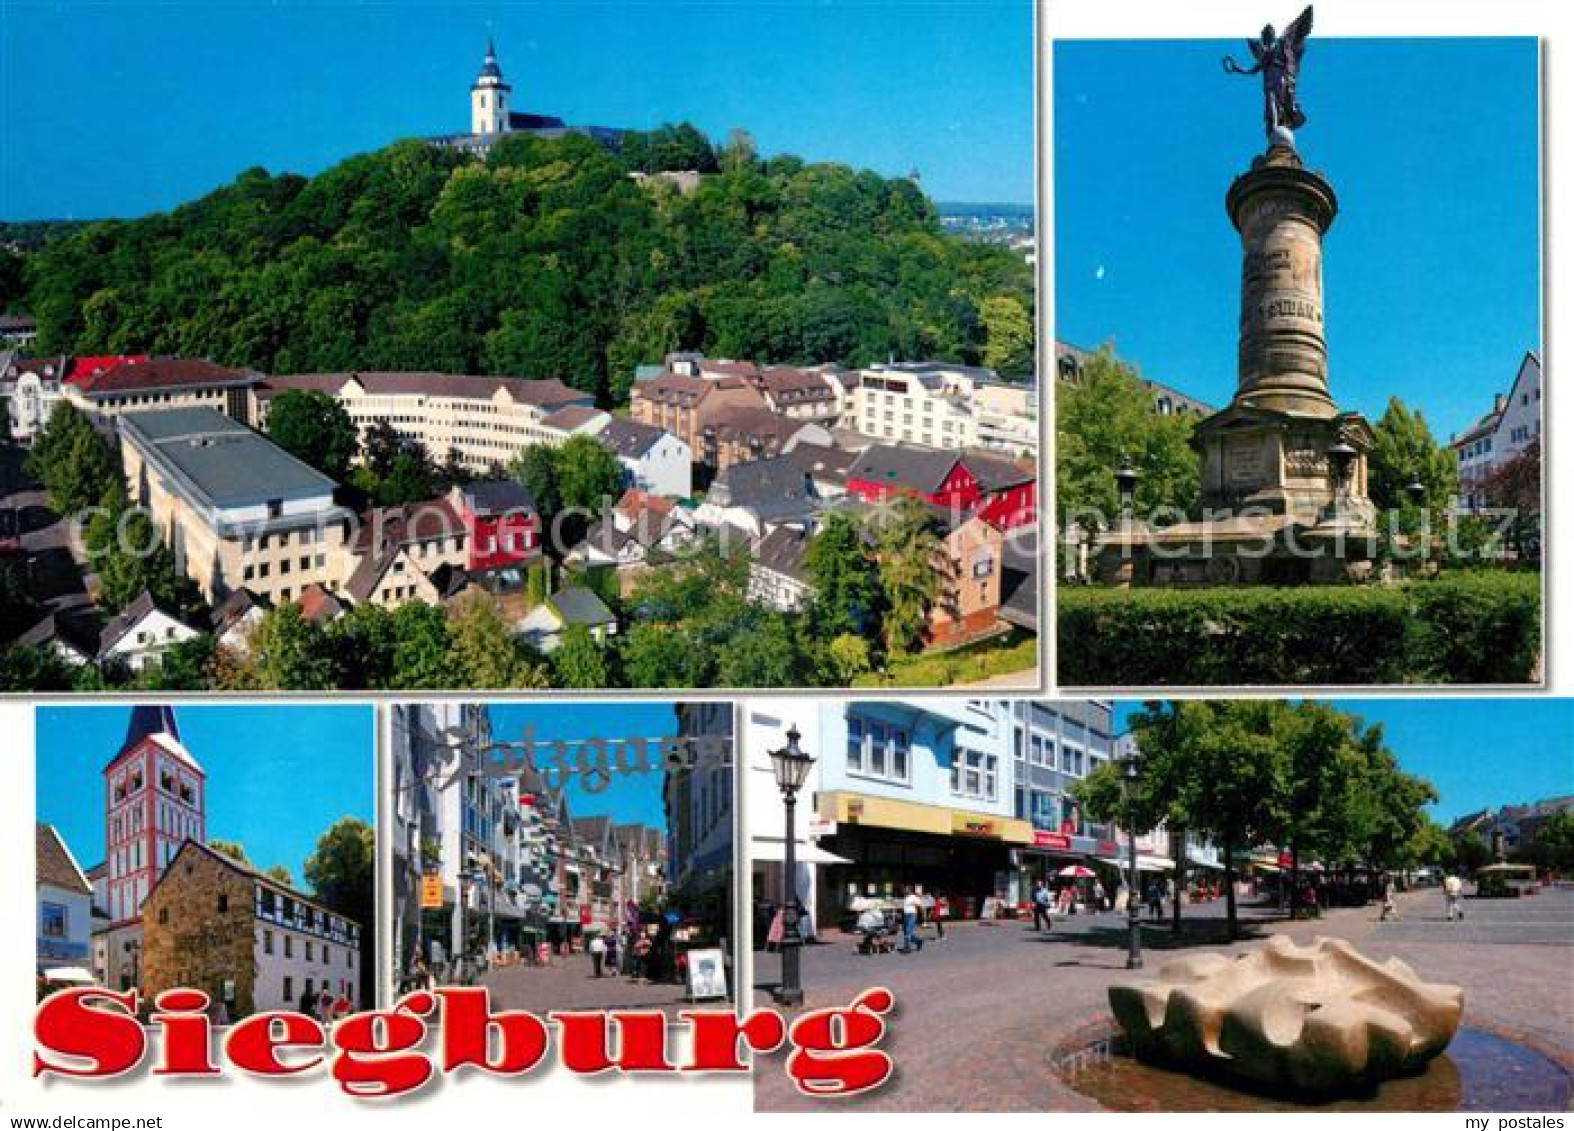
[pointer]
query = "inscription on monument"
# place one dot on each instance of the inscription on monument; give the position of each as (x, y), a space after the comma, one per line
(1243, 464)
(1306, 463)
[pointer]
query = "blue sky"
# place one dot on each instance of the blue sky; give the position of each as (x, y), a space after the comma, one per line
(122, 108)
(1478, 753)
(278, 776)
(1431, 270)
(629, 798)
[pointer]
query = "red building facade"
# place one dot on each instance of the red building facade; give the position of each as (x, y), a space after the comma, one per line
(1002, 494)
(501, 524)
(155, 799)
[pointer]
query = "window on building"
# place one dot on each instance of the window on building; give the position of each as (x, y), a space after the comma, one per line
(289, 948)
(975, 774)
(52, 920)
(289, 989)
(308, 950)
(878, 750)
(267, 942)
(223, 903)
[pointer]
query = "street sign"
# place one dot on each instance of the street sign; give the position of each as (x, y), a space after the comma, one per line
(431, 891)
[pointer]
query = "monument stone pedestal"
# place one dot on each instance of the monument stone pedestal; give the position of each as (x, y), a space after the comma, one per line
(1283, 469)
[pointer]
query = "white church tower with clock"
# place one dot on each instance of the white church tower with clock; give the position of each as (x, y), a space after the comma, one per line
(489, 97)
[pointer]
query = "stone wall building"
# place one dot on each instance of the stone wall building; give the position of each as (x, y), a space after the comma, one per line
(215, 924)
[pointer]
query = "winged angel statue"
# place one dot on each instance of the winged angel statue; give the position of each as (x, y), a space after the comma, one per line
(1278, 59)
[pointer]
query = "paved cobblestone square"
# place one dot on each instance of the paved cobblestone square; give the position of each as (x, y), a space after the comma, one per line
(569, 984)
(979, 1014)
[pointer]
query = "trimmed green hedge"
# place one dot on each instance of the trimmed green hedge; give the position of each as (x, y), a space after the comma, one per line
(1459, 628)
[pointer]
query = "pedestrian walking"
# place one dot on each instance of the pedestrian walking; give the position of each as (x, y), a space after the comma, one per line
(1041, 919)
(1390, 911)
(598, 955)
(1098, 896)
(308, 1004)
(912, 908)
(1453, 895)
(612, 953)
(1155, 902)
(325, 1004)
(942, 913)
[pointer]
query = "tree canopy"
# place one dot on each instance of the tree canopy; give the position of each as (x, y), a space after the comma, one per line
(1304, 776)
(544, 259)
(1108, 417)
(1404, 452)
(316, 429)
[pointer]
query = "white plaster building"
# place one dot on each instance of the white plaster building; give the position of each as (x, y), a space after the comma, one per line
(64, 909)
(486, 420)
(1507, 429)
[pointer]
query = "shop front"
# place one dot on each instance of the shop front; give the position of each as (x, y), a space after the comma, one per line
(884, 845)
(1064, 860)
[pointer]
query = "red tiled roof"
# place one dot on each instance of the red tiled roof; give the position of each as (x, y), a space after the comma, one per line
(636, 502)
(795, 384)
(83, 368)
(158, 373)
(319, 605)
(674, 388)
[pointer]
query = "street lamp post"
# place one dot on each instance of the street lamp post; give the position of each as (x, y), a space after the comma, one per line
(1341, 456)
(1126, 478)
(791, 767)
(1129, 768)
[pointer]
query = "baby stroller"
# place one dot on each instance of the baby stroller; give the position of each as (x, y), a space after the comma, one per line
(875, 935)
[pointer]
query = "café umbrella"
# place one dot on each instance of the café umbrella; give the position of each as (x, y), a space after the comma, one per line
(1076, 872)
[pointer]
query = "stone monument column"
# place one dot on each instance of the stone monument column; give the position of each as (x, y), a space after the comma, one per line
(1282, 210)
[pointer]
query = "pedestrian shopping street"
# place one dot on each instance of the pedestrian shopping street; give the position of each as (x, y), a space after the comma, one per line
(980, 1016)
(568, 984)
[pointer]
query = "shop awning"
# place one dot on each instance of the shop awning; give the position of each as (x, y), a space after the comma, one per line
(1145, 863)
(939, 820)
(69, 974)
(775, 849)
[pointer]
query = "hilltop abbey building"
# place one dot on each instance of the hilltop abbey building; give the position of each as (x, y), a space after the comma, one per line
(492, 115)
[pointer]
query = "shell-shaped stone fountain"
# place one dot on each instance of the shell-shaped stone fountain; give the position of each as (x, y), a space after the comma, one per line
(1318, 1018)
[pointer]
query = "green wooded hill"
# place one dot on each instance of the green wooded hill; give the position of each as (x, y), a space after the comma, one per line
(545, 259)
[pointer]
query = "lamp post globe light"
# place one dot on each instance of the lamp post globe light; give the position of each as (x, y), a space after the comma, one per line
(791, 766)
(1341, 457)
(1130, 767)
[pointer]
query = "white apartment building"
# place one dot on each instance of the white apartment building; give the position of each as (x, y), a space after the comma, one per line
(943, 406)
(486, 420)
